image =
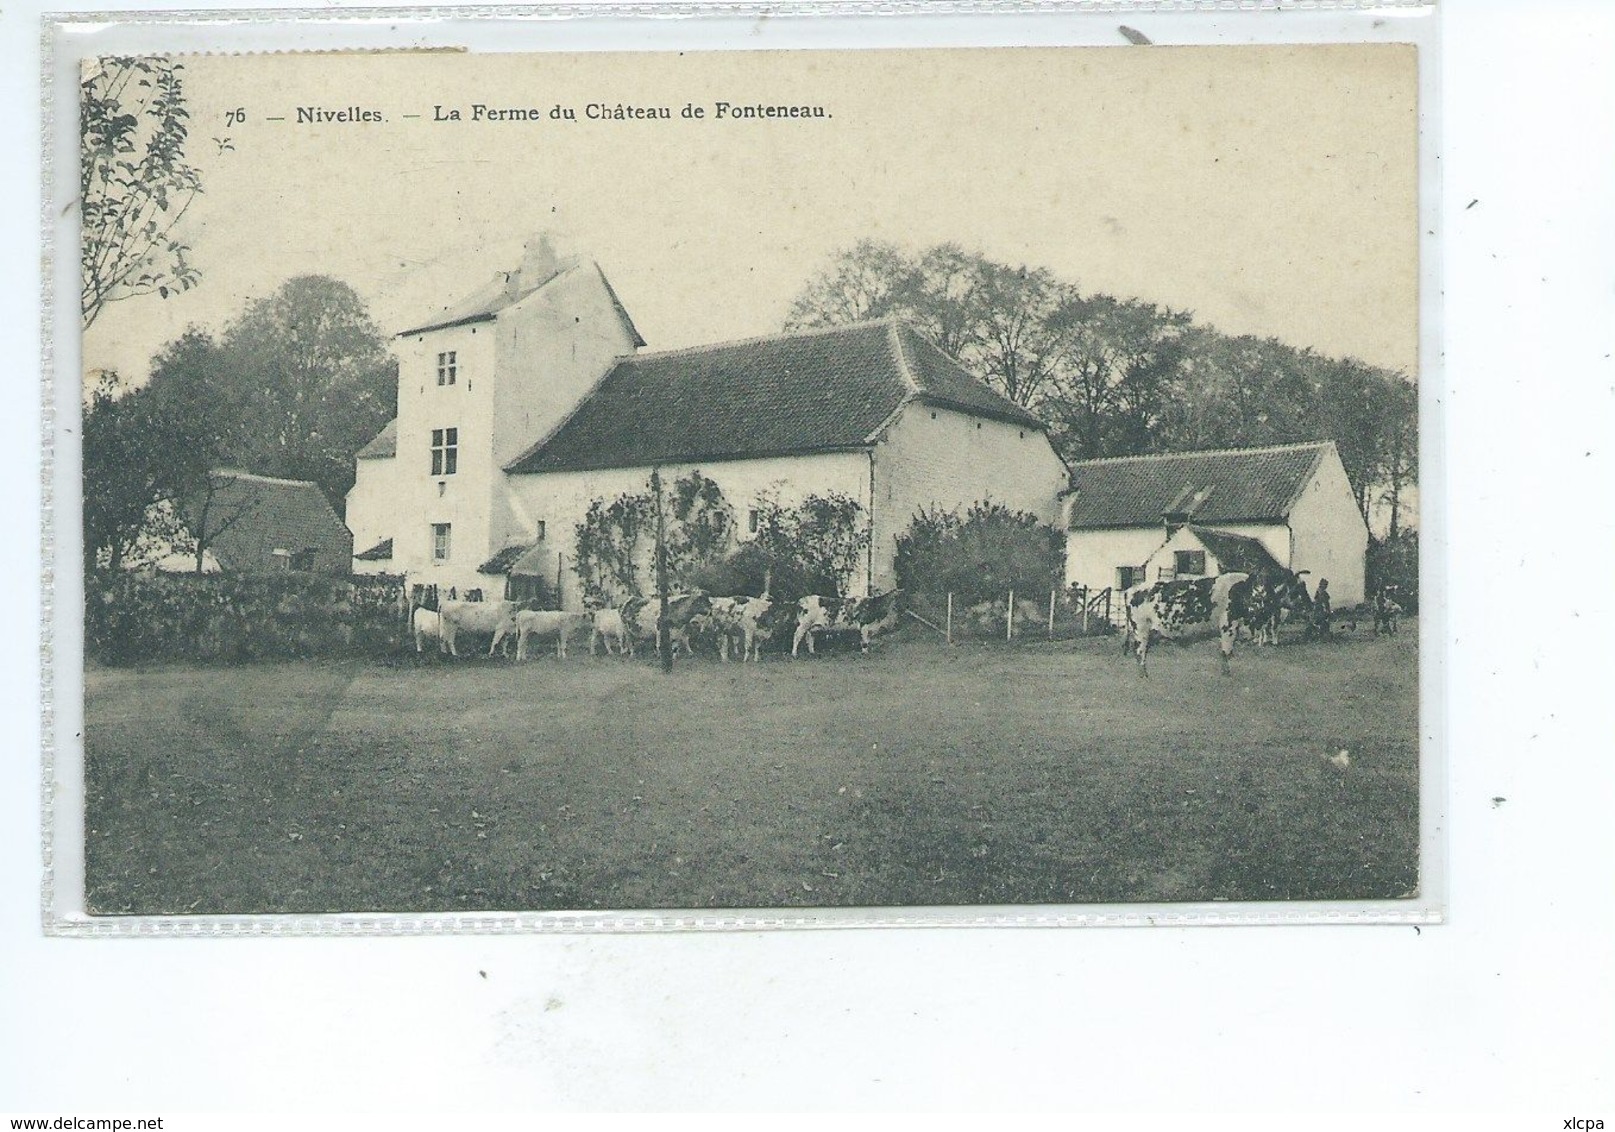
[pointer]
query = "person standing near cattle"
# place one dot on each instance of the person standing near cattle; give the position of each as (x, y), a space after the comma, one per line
(1322, 611)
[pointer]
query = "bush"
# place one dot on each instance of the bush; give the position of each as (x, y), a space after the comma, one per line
(131, 618)
(980, 556)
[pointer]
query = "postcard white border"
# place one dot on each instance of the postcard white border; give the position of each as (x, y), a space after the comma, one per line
(726, 27)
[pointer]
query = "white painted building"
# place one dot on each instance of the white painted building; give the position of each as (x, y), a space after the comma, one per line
(1144, 518)
(524, 403)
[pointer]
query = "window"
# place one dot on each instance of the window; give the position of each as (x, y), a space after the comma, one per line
(1129, 576)
(445, 451)
(304, 560)
(440, 542)
(539, 531)
(752, 520)
(1191, 562)
(448, 367)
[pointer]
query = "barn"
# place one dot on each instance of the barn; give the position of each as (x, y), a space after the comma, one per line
(533, 397)
(252, 524)
(1137, 519)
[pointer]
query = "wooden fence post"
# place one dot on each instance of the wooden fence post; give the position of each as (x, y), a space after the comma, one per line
(1009, 622)
(1052, 594)
(950, 619)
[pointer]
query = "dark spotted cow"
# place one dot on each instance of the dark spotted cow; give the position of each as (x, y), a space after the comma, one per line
(1386, 610)
(640, 614)
(867, 616)
(1184, 608)
(1273, 594)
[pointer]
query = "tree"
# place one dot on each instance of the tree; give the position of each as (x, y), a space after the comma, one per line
(990, 316)
(1118, 364)
(313, 380)
(144, 455)
(134, 183)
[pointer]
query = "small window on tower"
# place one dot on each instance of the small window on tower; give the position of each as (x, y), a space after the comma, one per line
(440, 542)
(445, 451)
(448, 367)
(540, 531)
(752, 520)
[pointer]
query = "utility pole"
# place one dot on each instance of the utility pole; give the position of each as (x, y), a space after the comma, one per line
(664, 635)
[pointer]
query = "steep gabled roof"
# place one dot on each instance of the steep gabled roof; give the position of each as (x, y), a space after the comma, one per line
(383, 444)
(381, 552)
(250, 517)
(1236, 485)
(506, 289)
(811, 391)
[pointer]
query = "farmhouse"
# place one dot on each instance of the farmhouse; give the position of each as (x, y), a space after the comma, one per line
(530, 399)
(1140, 519)
(251, 523)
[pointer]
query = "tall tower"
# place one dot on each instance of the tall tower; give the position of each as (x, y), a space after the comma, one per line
(477, 386)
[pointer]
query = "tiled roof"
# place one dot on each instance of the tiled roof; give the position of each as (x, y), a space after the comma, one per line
(250, 517)
(813, 391)
(502, 562)
(485, 303)
(1240, 485)
(944, 381)
(383, 444)
(1235, 552)
(381, 552)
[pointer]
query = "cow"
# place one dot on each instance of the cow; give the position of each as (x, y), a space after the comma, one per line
(640, 614)
(739, 618)
(546, 623)
(867, 616)
(1180, 608)
(606, 624)
(1273, 593)
(495, 617)
(427, 624)
(1386, 611)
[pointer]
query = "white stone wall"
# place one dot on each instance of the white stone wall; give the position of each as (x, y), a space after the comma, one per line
(372, 512)
(1331, 539)
(560, 499)
(933, 457)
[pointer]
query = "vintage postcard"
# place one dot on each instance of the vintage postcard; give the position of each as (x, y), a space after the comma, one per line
(786, 481)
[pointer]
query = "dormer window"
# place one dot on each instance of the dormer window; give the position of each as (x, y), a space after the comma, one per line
(445, 451)
(448, 367)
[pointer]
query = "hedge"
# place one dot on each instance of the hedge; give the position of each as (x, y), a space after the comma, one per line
(136, 617)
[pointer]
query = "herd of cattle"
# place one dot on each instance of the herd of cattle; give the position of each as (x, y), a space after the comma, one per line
(1228, 605)
(743, 624)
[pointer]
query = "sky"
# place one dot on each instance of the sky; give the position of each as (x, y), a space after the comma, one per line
(1268, 190)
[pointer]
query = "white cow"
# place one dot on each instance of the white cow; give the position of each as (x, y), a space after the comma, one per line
(495, 617)
(607, 625)
(428, 625)
(543, 623)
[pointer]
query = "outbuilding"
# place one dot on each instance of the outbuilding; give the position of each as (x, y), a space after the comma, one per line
(1136, 519)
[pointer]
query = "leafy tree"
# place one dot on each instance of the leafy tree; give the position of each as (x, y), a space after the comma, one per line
(1119, 365)
(990, 316)
(315, 382)
(134, 182)
(143, 455)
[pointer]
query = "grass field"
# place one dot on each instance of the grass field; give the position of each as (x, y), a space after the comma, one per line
(1043, 773)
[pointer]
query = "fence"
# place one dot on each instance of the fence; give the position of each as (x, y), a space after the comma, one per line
(134, 618)
(1076, 612)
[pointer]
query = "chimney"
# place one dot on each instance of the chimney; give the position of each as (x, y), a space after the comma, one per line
(540, 262)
